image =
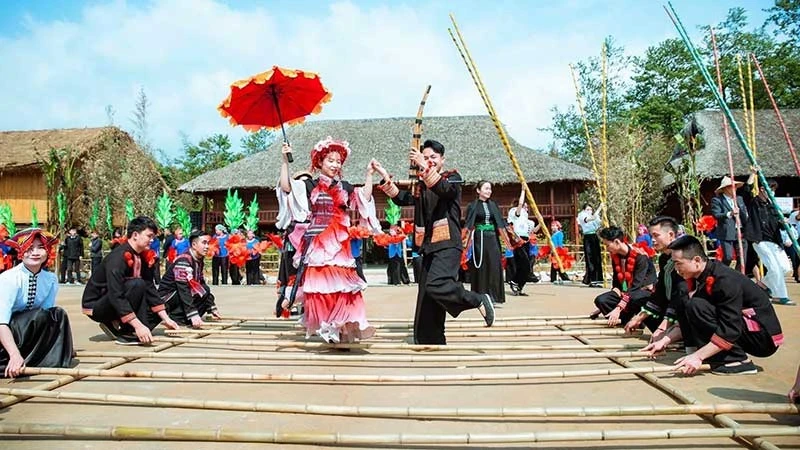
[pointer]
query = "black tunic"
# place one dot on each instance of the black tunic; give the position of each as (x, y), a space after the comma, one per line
(184, 290)
(637, 294)
(666, 300)
(485, 266)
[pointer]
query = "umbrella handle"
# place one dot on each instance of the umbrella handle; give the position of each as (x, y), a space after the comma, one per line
(283, 129)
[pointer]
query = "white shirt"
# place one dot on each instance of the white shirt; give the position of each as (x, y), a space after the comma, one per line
(14, 286)
(589, 223)
(522, 225)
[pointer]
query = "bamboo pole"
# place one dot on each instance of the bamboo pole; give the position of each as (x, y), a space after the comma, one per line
(346, 378)
(403, 334)
(410, 412)
(478, 347)
(304, 357)
(727, 112)
(222, 434)
(778, 114)
(450, 326)
(461, 46)
(604, 129)
(726, 133)
(402, 320)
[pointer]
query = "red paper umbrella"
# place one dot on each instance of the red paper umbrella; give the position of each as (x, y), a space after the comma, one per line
(273, 98)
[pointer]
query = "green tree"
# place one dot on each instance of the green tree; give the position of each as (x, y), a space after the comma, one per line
(257, 142)
(211, 153)
(785, 15)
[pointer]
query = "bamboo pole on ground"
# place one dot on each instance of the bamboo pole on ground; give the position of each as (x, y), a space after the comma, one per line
(222, 434)
(346, 378)
(402, 320)
(403, 334)
(450, 326)
(410, 412)
(304, 357)
(461, 46)
(477, 347)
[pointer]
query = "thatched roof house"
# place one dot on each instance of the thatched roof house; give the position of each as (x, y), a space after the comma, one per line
(773, 154)
(471, 146)
(107, 163)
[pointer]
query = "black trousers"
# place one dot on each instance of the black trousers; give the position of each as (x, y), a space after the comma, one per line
(555, 273)
(593, 258)
(396, 271)
(177, 310)
(416, 264)
(43, 337)
(96, 260)
(522, 264)
(236, 275)
(73, 269)
(219, 266)
(157, 271)
(701, 317)
(360, 267)
(62, 269)
(136, 292)
(728, 248)
(253, 271)
(607, 301)
(439, 294)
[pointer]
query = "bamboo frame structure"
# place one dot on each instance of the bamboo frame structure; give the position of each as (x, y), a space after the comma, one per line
(778, 114)
(477, 347)
(304, 357)
(461, 46)
(222, 434)
(346, 378)
(409, 325)
(404, 334)
(410, 412)
(403, 320)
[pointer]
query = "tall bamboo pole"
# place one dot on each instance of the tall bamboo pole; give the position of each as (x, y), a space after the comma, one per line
(346, 378)
(778, 114)
(452, 334)
(222, 434)
(727, 112)
(746, 113)
(753, 143)
(410, 411)
(604, 130)
(461, 45)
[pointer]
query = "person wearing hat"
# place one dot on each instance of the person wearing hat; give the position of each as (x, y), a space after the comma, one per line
(33, 330)
(121, 295)
(725, 315)
(219, 262)
(724, 210)
(183, 287)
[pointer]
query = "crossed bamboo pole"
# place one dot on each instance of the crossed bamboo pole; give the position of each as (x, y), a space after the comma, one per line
(461, 46)
(450, 323)
(404, 334)
(222, 434)
(410, 412)
(305, 357)
(409, 325)
(346, 378)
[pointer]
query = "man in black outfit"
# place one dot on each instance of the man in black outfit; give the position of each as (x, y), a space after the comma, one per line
(73, 250)
(95, 250)
(437, 224)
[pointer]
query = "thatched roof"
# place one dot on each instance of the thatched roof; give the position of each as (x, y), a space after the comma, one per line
(24, 149)
(772, 151)
(471, 146)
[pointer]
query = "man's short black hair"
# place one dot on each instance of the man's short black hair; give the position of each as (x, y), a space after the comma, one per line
(436, 146)
(140, 224)
(665, 222)
(689, 246)
(585, 205)
(612, 233)
(195, 234)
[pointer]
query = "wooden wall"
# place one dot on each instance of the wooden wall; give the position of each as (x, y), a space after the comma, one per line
(21, 190)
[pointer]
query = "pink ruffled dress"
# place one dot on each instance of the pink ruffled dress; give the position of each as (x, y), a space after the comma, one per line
(332, 290)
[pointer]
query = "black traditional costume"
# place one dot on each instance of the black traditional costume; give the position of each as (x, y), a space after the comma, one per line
(634, 276)
(184, 290)
(486, 227)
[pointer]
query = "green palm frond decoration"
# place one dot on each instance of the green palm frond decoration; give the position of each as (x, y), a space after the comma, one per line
(94, 216)
(234, 210)
(392, 213)
(129, 213)
(164, 214)
(251, 224)
(34, 217)
(182, 217)
(7, 219)
(61, 201)
(109, 218)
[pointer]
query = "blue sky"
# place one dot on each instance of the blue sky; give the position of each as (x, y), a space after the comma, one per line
(63, 62)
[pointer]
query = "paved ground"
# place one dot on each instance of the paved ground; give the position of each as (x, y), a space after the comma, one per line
(770, 385)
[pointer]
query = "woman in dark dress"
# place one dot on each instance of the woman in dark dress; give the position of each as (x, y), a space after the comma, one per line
(485, 228)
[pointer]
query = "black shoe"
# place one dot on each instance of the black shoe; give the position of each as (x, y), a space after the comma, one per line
(594, 316)
(514, 287)
(488, 307)
(126, 339)
(740, 368)
(109, 331)
(522, 294)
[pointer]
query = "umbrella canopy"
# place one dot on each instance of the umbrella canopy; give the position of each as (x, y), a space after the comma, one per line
(273, 98)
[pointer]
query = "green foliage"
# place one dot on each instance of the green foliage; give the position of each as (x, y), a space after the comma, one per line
(95, 216)
(257, 142)
(109, 218)
(785, 15)
(251, 224)
(61, 202)
(164, 215)
(234, 210)
(34, 217)
(183, 220)
(7, 218)
(129, 212)
(392, 212)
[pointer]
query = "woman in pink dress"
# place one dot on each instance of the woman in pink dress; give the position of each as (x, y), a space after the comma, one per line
(331, 287)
